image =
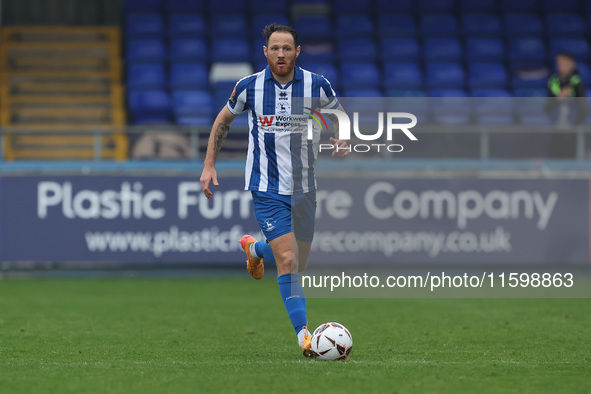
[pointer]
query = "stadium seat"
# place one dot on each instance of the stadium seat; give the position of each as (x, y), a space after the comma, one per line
(316, 27)
(229, 72)
(396, 26)
(527, 49)
(145, 51)
(480, 6)
(144, 25)
(192, 103)
(354, 26)
(350, 92)
(523, 25)
(442, 49)
(220, 7)
(188, 50)
(578, 47)
(149, 107)
(487, 75)
(509, 6)
(394, 6)
(360, 76)
(493, 106)
(565, 25)
(435, 6)
(530, 93)
(352, 7)
(226, 25)
(403, 75)
(406, 93)
(186, 26)
(530, 76)
(450, 107)
(146, 76)
(274, 6)
(357, 49)
(551, 6)
(188, 76)
(584, 72)
(230, 50)
(484, 49)
(445, 75)
(531, 111)
(259, 21)
(314, 52)
(327, 70)
(401, 49)
(142, 6)
(481, 25)
(438, 25)
(182, 6)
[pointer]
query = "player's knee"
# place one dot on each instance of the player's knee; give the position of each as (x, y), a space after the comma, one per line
(286, 263)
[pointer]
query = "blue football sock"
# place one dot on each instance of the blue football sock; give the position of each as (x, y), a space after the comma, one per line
(294, 300)
(263, 249)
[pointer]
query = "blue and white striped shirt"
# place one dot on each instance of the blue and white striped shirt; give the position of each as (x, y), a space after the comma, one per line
(280, 157)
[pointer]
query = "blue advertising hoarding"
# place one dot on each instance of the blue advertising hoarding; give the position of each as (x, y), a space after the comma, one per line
(125, 219)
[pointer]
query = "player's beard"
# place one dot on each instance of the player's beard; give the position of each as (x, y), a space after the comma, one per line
(282, 71)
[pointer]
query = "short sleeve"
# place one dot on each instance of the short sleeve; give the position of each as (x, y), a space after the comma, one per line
(328, 98)
(237, 101)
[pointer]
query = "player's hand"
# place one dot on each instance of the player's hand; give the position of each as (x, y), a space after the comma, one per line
(342, 146)
(207, 176)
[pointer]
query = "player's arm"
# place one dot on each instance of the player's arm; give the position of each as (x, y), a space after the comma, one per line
(340, 146)
(218, 134)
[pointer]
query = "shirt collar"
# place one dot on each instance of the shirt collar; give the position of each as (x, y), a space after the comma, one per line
(298, 74)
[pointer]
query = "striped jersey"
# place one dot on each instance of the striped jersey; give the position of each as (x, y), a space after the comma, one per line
(280, 157)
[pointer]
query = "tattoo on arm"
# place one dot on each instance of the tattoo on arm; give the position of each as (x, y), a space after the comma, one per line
(220, 136)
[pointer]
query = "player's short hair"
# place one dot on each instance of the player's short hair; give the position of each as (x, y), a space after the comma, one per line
(273, 27)
(567, 55)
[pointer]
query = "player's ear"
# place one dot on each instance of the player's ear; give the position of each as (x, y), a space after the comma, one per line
(298, 48)
(265, 50)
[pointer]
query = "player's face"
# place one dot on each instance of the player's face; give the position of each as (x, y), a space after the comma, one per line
(564, 65)
(281, 53)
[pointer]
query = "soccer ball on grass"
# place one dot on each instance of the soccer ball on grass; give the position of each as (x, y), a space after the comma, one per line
(331, 341)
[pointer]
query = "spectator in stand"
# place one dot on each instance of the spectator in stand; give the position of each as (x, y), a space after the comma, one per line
(563, 88)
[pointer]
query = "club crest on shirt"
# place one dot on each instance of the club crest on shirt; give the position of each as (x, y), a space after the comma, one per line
(282, 108)
(233, 95)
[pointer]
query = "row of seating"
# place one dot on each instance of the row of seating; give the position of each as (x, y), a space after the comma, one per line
(355, 6)
(496, 106)
(322, 27)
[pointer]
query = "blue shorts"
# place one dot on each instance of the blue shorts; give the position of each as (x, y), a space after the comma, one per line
(278, 214)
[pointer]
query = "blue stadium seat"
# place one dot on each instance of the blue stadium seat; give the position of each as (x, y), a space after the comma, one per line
(527, 49)
(529, 76)
(523, 25)
(436, 6)
(146, 76)
(484, 49)
(144, 25)
(396, 26)
(220, 7)
(493, 106)
(482, 6)
(360, 76)
(357, 49)
(508, 6)
(230, 50)
(186, 26)
(193, 104)
(226, 25)
(402, 49)
(447, 93)
(584, 72)
(274, 6)
(445, 75)
(578, 47)
(354, 26)
(350, 92)
(487, 75)
(406, 93)
(394, 6)
(442, 49)
(142, 6)
(182, 6)
(531, 111)
(352, 7)
(565, 25)
(314, 52)
(405, 75)
(188, 50)
(530, 92)
(551, 6)
(438, 25)
(145, 51)
(481, 25)
(188, 76)
(259, 21)
(327, 70)
(450, 107)
(149, 107)
(316, 27)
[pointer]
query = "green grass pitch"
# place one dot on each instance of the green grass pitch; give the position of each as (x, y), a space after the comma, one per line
(233, 335)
